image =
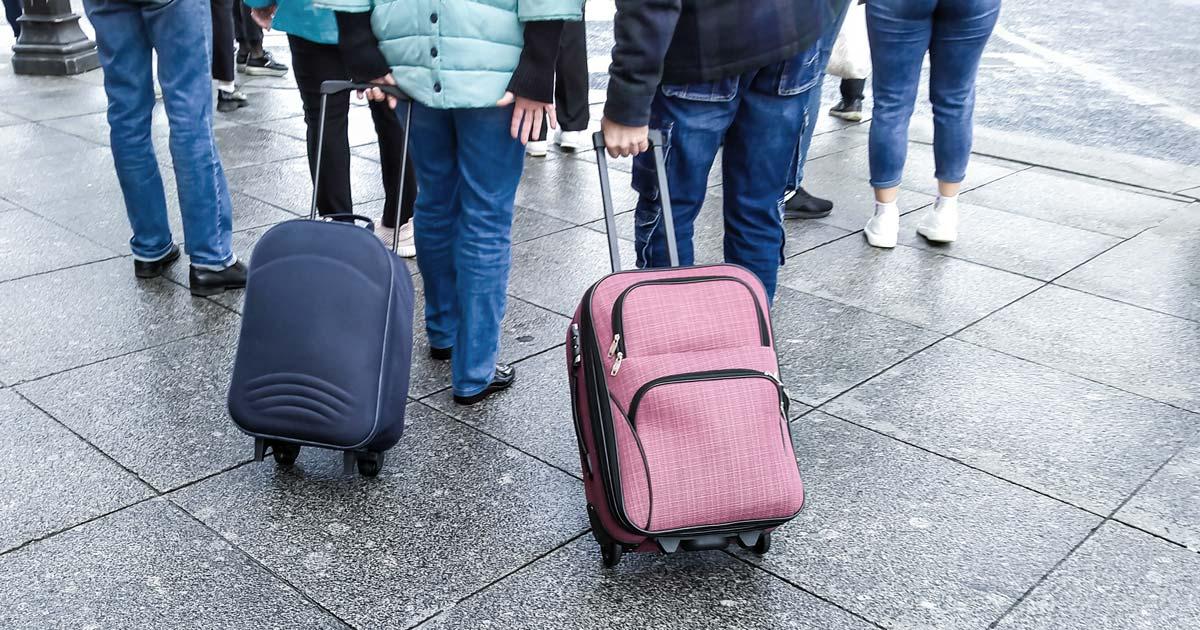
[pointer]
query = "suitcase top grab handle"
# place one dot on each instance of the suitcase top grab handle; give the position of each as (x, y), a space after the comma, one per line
(664, 198)
(337, 87)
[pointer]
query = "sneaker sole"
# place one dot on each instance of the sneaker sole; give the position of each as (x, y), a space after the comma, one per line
(939, 237)
(227, 107)
(880, 241)
(537, 154)
(854, 117)
(211, 291)
(263, 72)
(241, 68)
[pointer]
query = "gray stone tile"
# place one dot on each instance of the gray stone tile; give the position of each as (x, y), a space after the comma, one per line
(570, 590)
(50, 178)
(1169, 505)
(1194, 193)
(1155, 355)
(31, 140)
(543, 189)
(1149, 270)
(921, 288)
(826, 348)
(30, 244)
(1182, 224)
(1012, 242)
(68, 99)
(835, 141)
(243, 145)
(452, 511)
(534, 416)
(265, 104)
(150, 566)
(94, 127)
(1078, 202)
(287, 184)
(7, 120)
(80, 315)
(909, 539)
(530, 224)
(918, 170)
(51, 479)
(1070, 438)
(1119, 578)
(554, 271)
(160, 412)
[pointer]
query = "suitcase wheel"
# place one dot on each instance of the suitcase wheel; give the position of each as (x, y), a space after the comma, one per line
(369, 464)
(762, 546)
(611, 552)
(285, 454)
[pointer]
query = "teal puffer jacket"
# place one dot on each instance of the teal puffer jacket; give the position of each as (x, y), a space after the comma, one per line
(451, 54)
(300, 18)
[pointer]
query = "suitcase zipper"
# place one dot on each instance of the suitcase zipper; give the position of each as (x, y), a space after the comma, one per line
(712, 375)
(617, 348)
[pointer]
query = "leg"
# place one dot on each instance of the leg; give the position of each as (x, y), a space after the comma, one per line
(899, 32)
(222, 40)
(125, 49)
(390, 132)
(249, 35)
(181, 36)
(316, 63)
(756, 145)
(693, 127)
(852, 89)
(813, 104)
(12, 11)
(436, 219)
(489, 166)
(960, 31)
(571, 90)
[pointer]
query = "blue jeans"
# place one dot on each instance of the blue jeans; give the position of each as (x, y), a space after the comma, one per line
(180, 32)
(813, 107)
(468, 167)
(758, 117)
(955, 33)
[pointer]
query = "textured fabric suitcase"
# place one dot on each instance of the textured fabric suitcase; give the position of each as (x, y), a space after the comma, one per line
(680, 413)
(325, 349)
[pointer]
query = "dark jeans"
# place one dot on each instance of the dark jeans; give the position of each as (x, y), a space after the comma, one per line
(758, 115)
(12, 11)
(571, 80)
(901, 31)
(812, 108)
(314, 64)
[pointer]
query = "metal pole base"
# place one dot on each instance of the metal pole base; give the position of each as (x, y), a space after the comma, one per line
(51, 41)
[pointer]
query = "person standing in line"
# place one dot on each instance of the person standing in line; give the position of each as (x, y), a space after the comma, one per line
(482, 82)
(851, 106)
(252, 58)
(572, 82)
(229, 97)
(128, 35)
(954, 33)
(12, 12)
(316, 57)
(706, 72)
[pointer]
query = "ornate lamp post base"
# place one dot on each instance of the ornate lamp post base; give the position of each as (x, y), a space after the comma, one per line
(51, 41)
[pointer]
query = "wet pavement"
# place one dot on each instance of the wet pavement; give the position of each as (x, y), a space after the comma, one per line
(1003, 432)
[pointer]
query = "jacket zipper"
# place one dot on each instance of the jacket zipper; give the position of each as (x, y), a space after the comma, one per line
(712, 375)
(616, 349)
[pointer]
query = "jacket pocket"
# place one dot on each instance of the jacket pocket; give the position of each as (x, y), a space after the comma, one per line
(719, 91)
(801, 73)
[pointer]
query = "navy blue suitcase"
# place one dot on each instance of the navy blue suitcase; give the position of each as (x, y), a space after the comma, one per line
(326, 342)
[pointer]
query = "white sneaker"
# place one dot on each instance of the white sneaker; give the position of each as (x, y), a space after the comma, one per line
(573, 140)
(940, 223)
(883, 228)
(407, 247)
(537, 148)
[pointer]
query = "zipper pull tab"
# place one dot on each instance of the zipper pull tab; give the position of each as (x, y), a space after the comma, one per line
(613, 348)
(617, 364)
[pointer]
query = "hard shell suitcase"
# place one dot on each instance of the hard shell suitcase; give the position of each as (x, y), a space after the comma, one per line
(325, 349)
(680, 412)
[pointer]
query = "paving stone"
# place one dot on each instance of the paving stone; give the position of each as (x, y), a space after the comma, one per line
(288, 184)
(1169, 505)
(534, 416)
(7, 120)
(914, 286)
(543, 189)
(161, 412)
(150, 566)
(1119, 578)
(452, 511)
(66, 100)
(1147, 353)
(50, 479)
(265, 104)
(40, 180)
(835, 141)
(570, 590)
(30, 244)
(247, 146)
(85, 314)
(1078, 202)
(825, 348)
(1012, 242)
(554, 271)
(94, 127)
(909, 539)
(1149, 270)
(1059, 434)
(918, 170)
(27, 141)
(530, 224)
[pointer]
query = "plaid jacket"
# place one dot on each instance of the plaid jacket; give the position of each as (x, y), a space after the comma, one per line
(695, 41)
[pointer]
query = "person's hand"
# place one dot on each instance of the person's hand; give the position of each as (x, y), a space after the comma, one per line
(376, 94)
(623, 141)
(527, 117)
(264, 17)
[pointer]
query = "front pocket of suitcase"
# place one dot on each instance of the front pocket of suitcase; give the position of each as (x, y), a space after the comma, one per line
(715, 449)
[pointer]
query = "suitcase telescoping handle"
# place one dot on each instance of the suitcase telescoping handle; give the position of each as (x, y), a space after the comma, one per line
(664, 197)
(336, 87)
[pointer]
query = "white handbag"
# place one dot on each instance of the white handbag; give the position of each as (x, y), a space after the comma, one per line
(851, 56)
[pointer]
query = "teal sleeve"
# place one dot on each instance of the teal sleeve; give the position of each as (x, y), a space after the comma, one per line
(541, 10)
(345, 6)
(258, 4)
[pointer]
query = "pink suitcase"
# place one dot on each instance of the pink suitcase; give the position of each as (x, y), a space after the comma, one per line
(680, 414)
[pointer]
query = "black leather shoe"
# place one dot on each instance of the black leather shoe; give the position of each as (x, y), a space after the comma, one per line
(805, 206)
(205, 282)
(154, 268)
(848, 110)
(441, 354)
(504, 378)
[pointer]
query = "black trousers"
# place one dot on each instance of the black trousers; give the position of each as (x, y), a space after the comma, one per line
(313, 64)
(852, 89)
(245, 31)
(571, 80)
(12, 11)
(231, 21)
